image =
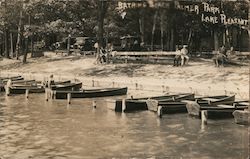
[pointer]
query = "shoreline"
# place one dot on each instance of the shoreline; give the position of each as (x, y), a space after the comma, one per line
(201, 78)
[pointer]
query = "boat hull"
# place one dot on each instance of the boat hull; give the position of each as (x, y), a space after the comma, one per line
(67, 87)
(171, 104)
(91, 93)
(211, 106)
(22, 90)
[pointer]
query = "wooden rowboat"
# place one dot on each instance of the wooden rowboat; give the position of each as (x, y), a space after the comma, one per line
(22, 89)
(6, 78)
(17, 78)
(136, 104)
(173, 104)
(67, 86)
(210, 104)
(91, 93)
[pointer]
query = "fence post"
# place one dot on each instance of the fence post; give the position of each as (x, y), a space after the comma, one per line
(204, 117)
(123, 104)
(159, 111)
(27, 93)
(69, 97)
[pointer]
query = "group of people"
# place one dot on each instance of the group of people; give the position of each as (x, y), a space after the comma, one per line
(223, 55)
(105, 53)
(181, 56)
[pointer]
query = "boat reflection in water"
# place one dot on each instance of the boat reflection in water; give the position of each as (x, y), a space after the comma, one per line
(34, 128)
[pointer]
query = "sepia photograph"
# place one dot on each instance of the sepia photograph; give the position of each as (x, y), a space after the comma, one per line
(124, 79)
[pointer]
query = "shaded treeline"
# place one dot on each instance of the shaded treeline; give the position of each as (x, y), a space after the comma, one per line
(24, 23)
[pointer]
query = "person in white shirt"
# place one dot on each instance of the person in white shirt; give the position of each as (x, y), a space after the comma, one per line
(184, 56)
(177, 57)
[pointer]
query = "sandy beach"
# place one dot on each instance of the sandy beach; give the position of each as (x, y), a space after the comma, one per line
(199, 76)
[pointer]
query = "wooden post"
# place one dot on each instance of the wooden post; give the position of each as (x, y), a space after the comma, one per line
(68, 97)
(136, 86)
(93, 83)
(204, 117)
(123, 104)
(27, 93)
(94, 103)
(159, 111)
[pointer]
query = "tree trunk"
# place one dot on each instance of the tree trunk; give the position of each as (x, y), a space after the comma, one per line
(11, 45)
(153, 30)
(32, 45)
(216, 40)
(19, 36)
(6, 43)
(189, 37)
(142, 26)
(68, 43)
(172, 47)
(162, 30)
(26, 44)
(102, 7)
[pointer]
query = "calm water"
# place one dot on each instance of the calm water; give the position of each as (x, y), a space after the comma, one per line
(38, 129)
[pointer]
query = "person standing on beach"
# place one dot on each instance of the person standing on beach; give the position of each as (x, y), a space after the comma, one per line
(51, 81)
(184, 56)
(220, 57)
(96, 47)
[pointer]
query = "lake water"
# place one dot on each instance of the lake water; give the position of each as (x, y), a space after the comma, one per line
(38, 129)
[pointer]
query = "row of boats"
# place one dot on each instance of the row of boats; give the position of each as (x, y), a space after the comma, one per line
(214, 107)
(59, 89)
(208, 107)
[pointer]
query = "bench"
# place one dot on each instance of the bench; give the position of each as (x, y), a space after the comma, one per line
(155, 56)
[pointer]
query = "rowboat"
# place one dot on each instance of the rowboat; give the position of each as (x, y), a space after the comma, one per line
(173, 104)
(62, 82)
(17, 78)
(6, 78)
(136, 104)
(22, 89)
(91, 93)
(210, 105)
(67, 86)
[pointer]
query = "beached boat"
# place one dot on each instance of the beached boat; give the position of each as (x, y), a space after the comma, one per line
(67, 86)
(210, 104)
(91, 93)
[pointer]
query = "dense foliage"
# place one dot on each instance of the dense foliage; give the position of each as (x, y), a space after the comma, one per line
(53, 20)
